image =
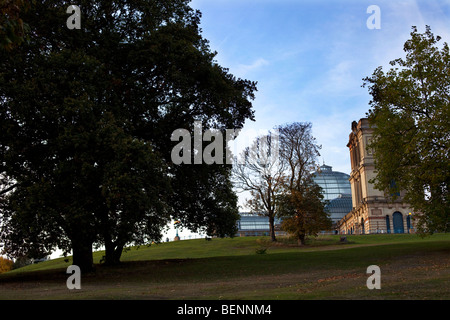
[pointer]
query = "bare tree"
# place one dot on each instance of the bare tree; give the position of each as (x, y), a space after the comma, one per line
(299, 149)
(260, 172)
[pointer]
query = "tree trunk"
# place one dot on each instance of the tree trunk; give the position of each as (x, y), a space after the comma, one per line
(113, 250)
(301, 239)
(82, 255)
(272, 229)
(113, 253)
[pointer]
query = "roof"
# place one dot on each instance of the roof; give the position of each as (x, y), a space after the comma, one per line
(333, 183)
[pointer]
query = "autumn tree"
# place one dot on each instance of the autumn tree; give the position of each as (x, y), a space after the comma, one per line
(5, 265)
(13, 30)
(300, 204)
(303, 211)
(410, 115)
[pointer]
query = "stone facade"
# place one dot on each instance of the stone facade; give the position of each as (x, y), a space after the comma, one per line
(372, 212)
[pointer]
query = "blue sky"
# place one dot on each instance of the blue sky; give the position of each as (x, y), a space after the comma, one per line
(309, 57)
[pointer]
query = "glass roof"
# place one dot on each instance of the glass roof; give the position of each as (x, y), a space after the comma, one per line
(333, 183)
(336, 189)
(251, 221)
(339, 207)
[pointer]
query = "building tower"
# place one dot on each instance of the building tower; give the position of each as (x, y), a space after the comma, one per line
(372, 211)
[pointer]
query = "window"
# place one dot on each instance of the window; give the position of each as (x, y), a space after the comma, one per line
(397, 221)
(388, 224)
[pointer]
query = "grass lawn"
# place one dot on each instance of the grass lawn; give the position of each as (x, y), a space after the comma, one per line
(411, 268)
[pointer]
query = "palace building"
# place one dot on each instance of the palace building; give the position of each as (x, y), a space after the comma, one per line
(372, 211)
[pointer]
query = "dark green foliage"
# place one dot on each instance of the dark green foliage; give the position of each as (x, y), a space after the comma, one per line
(86, 118)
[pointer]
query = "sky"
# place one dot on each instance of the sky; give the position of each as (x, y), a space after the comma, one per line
(309, 57)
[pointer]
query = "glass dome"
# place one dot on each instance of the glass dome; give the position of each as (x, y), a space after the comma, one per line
(333, 183)
(339, 207)
(336, 189)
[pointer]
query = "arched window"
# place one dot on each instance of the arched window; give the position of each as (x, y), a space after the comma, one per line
(388, 224)
(397, 218)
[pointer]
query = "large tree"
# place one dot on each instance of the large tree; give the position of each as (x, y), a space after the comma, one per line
(87, 116)
(301, 205)
(410, 115)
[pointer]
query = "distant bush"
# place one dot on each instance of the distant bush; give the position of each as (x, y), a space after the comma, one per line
(261, 251)
(5, 265)
(21, 262)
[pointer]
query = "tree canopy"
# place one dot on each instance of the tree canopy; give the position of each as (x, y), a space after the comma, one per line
(410, 114)
(87, 116)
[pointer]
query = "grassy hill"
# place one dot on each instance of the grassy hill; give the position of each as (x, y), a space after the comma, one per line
(411, 268)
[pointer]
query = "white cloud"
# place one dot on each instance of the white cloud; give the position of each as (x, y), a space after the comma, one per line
(342, 78)
(243, 70)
